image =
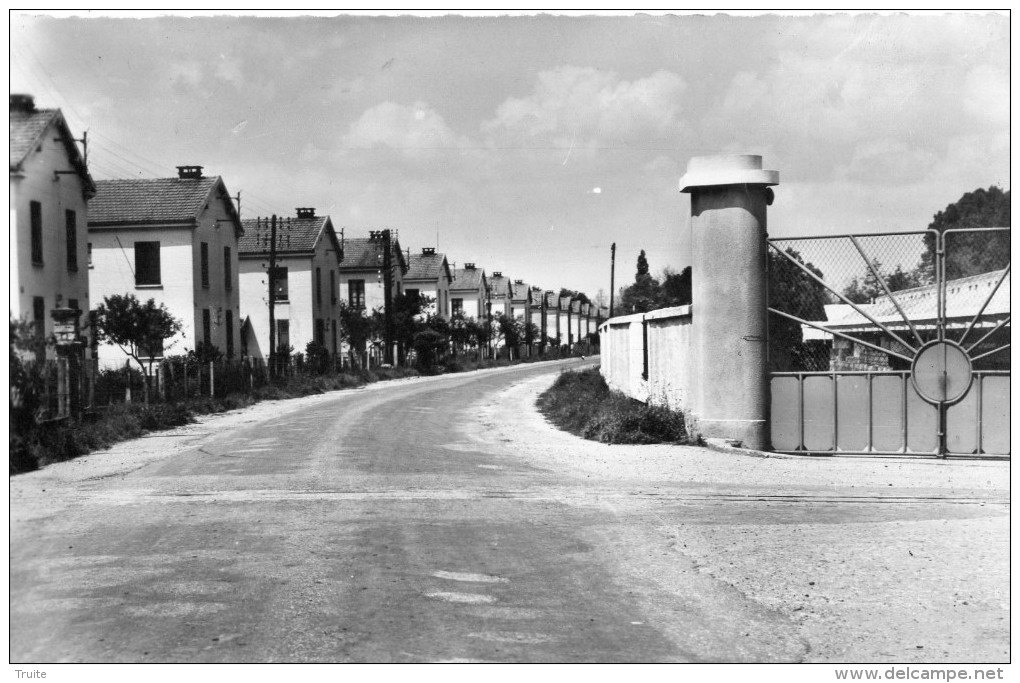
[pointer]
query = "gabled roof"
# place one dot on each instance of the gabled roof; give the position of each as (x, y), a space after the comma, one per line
(552, 300)
(428, 267)
(565, 303)
(466, 279)
(366, 253)
(27, 128)
(575, 306)
(154, 201)
(520, 291)
(500, 286)
(293, 235)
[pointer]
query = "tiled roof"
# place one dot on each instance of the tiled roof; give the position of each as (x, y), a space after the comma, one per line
(564, 303)
(964, 299)
(365, 253)
(28, 127)
(429, 267)
(500, 286)
(520, 291)
(552, 300)
(468, 279)
(575, 305)
(292, 234)
(160, 200)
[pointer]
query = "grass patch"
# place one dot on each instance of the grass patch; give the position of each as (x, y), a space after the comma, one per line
(582, 403)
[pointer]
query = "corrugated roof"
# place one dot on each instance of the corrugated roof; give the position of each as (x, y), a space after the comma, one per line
(964, 299)
(429, 267)
(136, 201)
(468, 279)
(292, 234)
(27, 129)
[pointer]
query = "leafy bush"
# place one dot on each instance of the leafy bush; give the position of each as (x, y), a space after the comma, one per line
(582, 403)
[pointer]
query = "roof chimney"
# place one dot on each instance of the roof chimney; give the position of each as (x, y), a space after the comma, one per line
(497, 273)
(469, 266)
(22, 103)
(189, 172)
(305, 212)
(428, 251)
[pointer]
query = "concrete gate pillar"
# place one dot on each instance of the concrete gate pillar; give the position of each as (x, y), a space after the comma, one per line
(728, 230)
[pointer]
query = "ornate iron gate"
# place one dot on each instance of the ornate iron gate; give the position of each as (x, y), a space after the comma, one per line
(890, 343)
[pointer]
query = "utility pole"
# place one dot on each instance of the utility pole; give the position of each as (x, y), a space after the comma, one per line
(612, 279)
(387, 300)
(272, 297)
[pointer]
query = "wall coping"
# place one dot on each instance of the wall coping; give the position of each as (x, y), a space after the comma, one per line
(657, 314)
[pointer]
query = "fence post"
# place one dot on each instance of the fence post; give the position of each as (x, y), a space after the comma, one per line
(127, 381)
(160, 383)
(729, 196)
(212, 385)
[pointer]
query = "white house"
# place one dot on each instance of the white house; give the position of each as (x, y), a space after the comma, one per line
(174, 240)
(469, 292)
(307, 283)
(361, 272)
(520, 300)
(49, 190)
(500, 294)
(428, 274)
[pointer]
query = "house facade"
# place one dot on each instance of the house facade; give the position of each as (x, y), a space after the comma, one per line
(49, 192)
(361, 282)
(469, 292)
(500, 294)
(306, 283)
(551, 319)
(520, 299)
(429, 274)
(174, 240)
(565, 331)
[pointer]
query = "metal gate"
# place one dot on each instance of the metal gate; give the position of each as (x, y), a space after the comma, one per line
(892, 343)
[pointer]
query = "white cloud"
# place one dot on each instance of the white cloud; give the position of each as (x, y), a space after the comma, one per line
(587, 107)
(415, 130)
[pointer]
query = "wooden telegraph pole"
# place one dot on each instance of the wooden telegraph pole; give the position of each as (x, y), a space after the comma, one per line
(612, 278)
(272, 296)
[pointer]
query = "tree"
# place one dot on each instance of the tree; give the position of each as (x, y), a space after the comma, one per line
(643, 295)
(676, 287)
(573, 294)
(139, 330)
(355, 329)
(970, 253)
(793, 291)
(866, 289)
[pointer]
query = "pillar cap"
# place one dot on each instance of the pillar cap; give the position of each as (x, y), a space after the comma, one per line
(726, 169)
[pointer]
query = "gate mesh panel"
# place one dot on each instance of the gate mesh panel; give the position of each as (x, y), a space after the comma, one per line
(900, 262)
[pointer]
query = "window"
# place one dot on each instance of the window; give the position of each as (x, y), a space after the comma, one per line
(356, 293)
(227, 270)
(35, 215)
(332, 329)
(207, 326)
(280, 284)
(332, 287)
(73, 304)
(283, 335)
(458, 305)
(71, 223)
(156, 351)
(230, 334)
(412, 293)
(320, 332)
(318, 285)
(205, 264)
(39, 315)
(90, 254)
(147, 271)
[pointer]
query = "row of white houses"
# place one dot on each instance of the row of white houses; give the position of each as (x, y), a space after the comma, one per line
(182, 242)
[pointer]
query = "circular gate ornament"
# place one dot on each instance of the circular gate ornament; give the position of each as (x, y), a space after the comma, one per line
(941, 372)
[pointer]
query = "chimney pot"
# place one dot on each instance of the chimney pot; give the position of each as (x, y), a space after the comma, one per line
(22, 102)
(189, 172)
(428, 251)
(306, 212)
(497, 273)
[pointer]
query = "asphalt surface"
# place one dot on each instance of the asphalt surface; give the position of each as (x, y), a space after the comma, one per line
(441, 520)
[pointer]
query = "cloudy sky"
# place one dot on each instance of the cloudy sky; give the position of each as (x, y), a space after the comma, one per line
(528, 144)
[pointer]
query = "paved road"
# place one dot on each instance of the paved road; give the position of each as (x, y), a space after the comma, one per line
(391, 525)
